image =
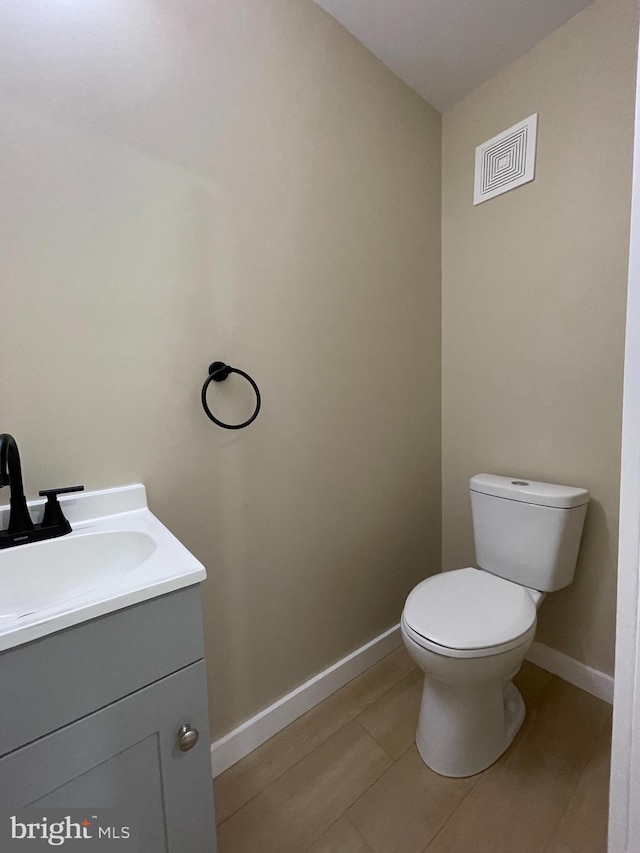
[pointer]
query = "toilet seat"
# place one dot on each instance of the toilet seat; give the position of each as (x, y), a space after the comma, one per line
(469, 613)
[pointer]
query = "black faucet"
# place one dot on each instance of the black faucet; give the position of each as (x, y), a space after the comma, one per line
(11, 475)
(21, 528)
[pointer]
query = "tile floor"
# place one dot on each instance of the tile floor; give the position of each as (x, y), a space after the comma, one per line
(346, 778)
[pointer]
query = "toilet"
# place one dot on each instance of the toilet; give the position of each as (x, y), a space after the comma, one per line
(469, 629)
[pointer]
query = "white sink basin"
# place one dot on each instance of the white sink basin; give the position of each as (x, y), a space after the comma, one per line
(117, 555)
(43, 574)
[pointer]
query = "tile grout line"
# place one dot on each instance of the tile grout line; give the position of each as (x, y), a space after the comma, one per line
(451, 815)
(343, 816)
(394, 761)
(382, 772)
(356, 719)
(559, 821)
(386, 752)
(321, 743)
(549, 849)
(602, 731)
(356, 830)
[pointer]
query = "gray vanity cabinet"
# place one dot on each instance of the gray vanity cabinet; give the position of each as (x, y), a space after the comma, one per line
(125, 752)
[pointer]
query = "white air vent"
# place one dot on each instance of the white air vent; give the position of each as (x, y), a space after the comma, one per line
(506, 161)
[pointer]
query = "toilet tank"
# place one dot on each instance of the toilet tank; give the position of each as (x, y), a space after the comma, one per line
(525, 531)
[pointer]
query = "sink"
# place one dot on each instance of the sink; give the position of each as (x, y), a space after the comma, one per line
(117, 555)
(41, 575)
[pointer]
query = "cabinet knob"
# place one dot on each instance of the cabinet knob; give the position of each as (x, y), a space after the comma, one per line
(187, 737)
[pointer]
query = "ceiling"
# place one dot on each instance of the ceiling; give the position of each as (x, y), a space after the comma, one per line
(445, 48)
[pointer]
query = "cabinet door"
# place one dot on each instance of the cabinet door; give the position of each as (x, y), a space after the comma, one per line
(127, 755)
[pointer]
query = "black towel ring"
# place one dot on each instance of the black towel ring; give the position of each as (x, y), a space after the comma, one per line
(218, 372)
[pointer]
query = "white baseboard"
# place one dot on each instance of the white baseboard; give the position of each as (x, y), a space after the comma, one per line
(579, 674)
(251, 734)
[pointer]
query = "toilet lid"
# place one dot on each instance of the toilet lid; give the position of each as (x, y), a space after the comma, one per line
(469, 609)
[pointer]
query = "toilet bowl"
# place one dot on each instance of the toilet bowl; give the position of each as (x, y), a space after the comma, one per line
(470, 629)
(469, 633)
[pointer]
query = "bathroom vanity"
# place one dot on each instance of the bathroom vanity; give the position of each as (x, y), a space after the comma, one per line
(103, 699)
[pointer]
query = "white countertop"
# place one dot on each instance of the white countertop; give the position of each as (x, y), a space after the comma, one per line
(170, 567)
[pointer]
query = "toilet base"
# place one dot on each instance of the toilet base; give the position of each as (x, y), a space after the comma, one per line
(514, 713)
(463, 729)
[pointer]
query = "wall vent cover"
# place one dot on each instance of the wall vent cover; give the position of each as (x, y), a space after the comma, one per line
(507, 161)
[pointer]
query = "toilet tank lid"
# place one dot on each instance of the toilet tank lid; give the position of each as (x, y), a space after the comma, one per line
(529, 491)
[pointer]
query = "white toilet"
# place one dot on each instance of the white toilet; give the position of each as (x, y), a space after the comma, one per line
(469, 629)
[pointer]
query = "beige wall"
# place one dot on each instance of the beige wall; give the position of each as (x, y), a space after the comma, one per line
(246, 184)
(534, 286)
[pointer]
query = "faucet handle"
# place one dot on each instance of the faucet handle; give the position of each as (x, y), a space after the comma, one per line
(45, 493)
(53, 515)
